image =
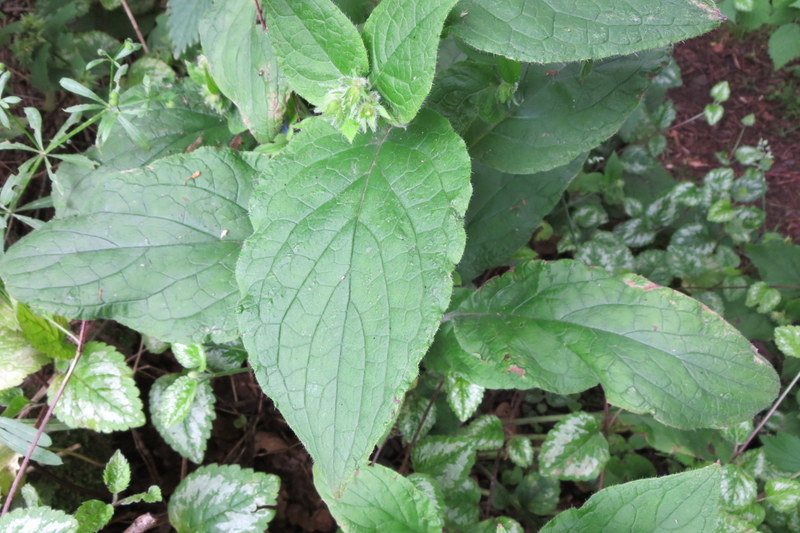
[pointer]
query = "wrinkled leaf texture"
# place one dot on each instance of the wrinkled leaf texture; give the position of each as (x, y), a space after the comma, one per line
(347, 275)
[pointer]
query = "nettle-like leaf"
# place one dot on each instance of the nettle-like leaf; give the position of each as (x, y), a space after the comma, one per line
(190, 435)
(416, 418)
(45, 335)
(18, 358)
(688, 502)
(317, 45)
(546, 32)
(538, 494)
(783, 494)
(520, 451)
(101, 394)
(463, 397)
(738, 489)
(244, 67)
(183, 22)
(154, 249)
(190, 355)
(170, 129)
(347, 275)
(574, 449)
(402, 37)
(380, 499)
(448, 459)
(563, 113)
(38, 519)
(564, 327)
(93, 515)
(117, 473)
(177, 400)
(504, 211)
(223, 498)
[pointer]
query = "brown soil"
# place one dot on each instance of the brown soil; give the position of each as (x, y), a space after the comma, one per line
(744, 63)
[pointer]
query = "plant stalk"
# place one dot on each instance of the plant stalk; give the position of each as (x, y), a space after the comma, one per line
(766, 418)
(27, 459)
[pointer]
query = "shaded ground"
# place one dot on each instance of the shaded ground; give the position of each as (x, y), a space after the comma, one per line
(774, 97)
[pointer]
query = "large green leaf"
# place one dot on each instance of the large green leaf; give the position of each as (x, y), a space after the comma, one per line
(563, 113)
(347, 275)
(548, 32)
(402, 37)
(170, 129)
(380, 499)
(317, 45)
(688, 502)
(504, 211)
(226, 498)
(101, 394)
(565, 327)
(155, 249)
(244, 66)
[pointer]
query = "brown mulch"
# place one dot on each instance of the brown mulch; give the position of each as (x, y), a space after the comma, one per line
(744, 63)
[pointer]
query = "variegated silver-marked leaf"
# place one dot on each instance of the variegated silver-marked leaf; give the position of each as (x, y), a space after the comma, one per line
(101, 394)
(226, 498)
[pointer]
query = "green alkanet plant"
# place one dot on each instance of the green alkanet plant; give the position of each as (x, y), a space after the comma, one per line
(334, 261)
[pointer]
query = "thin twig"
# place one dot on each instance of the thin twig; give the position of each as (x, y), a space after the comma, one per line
(142, 523)
(260, 16)
(766, 418)
(135, 25)
(407, 455)
(50, 409)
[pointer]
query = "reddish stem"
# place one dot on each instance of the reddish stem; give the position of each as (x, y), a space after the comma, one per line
(27, 459)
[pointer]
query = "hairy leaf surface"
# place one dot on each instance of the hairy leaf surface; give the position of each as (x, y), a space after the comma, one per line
(402, 37)
(688, 502)
(154, 248)
(548, 32)
(565, 327)
(562, 113)
(317, 45)
(347, 275)
(380, 499)
(244, 67)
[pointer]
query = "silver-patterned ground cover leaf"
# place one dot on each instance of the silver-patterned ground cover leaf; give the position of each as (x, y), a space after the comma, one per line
(101, 394)
(228, 498)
